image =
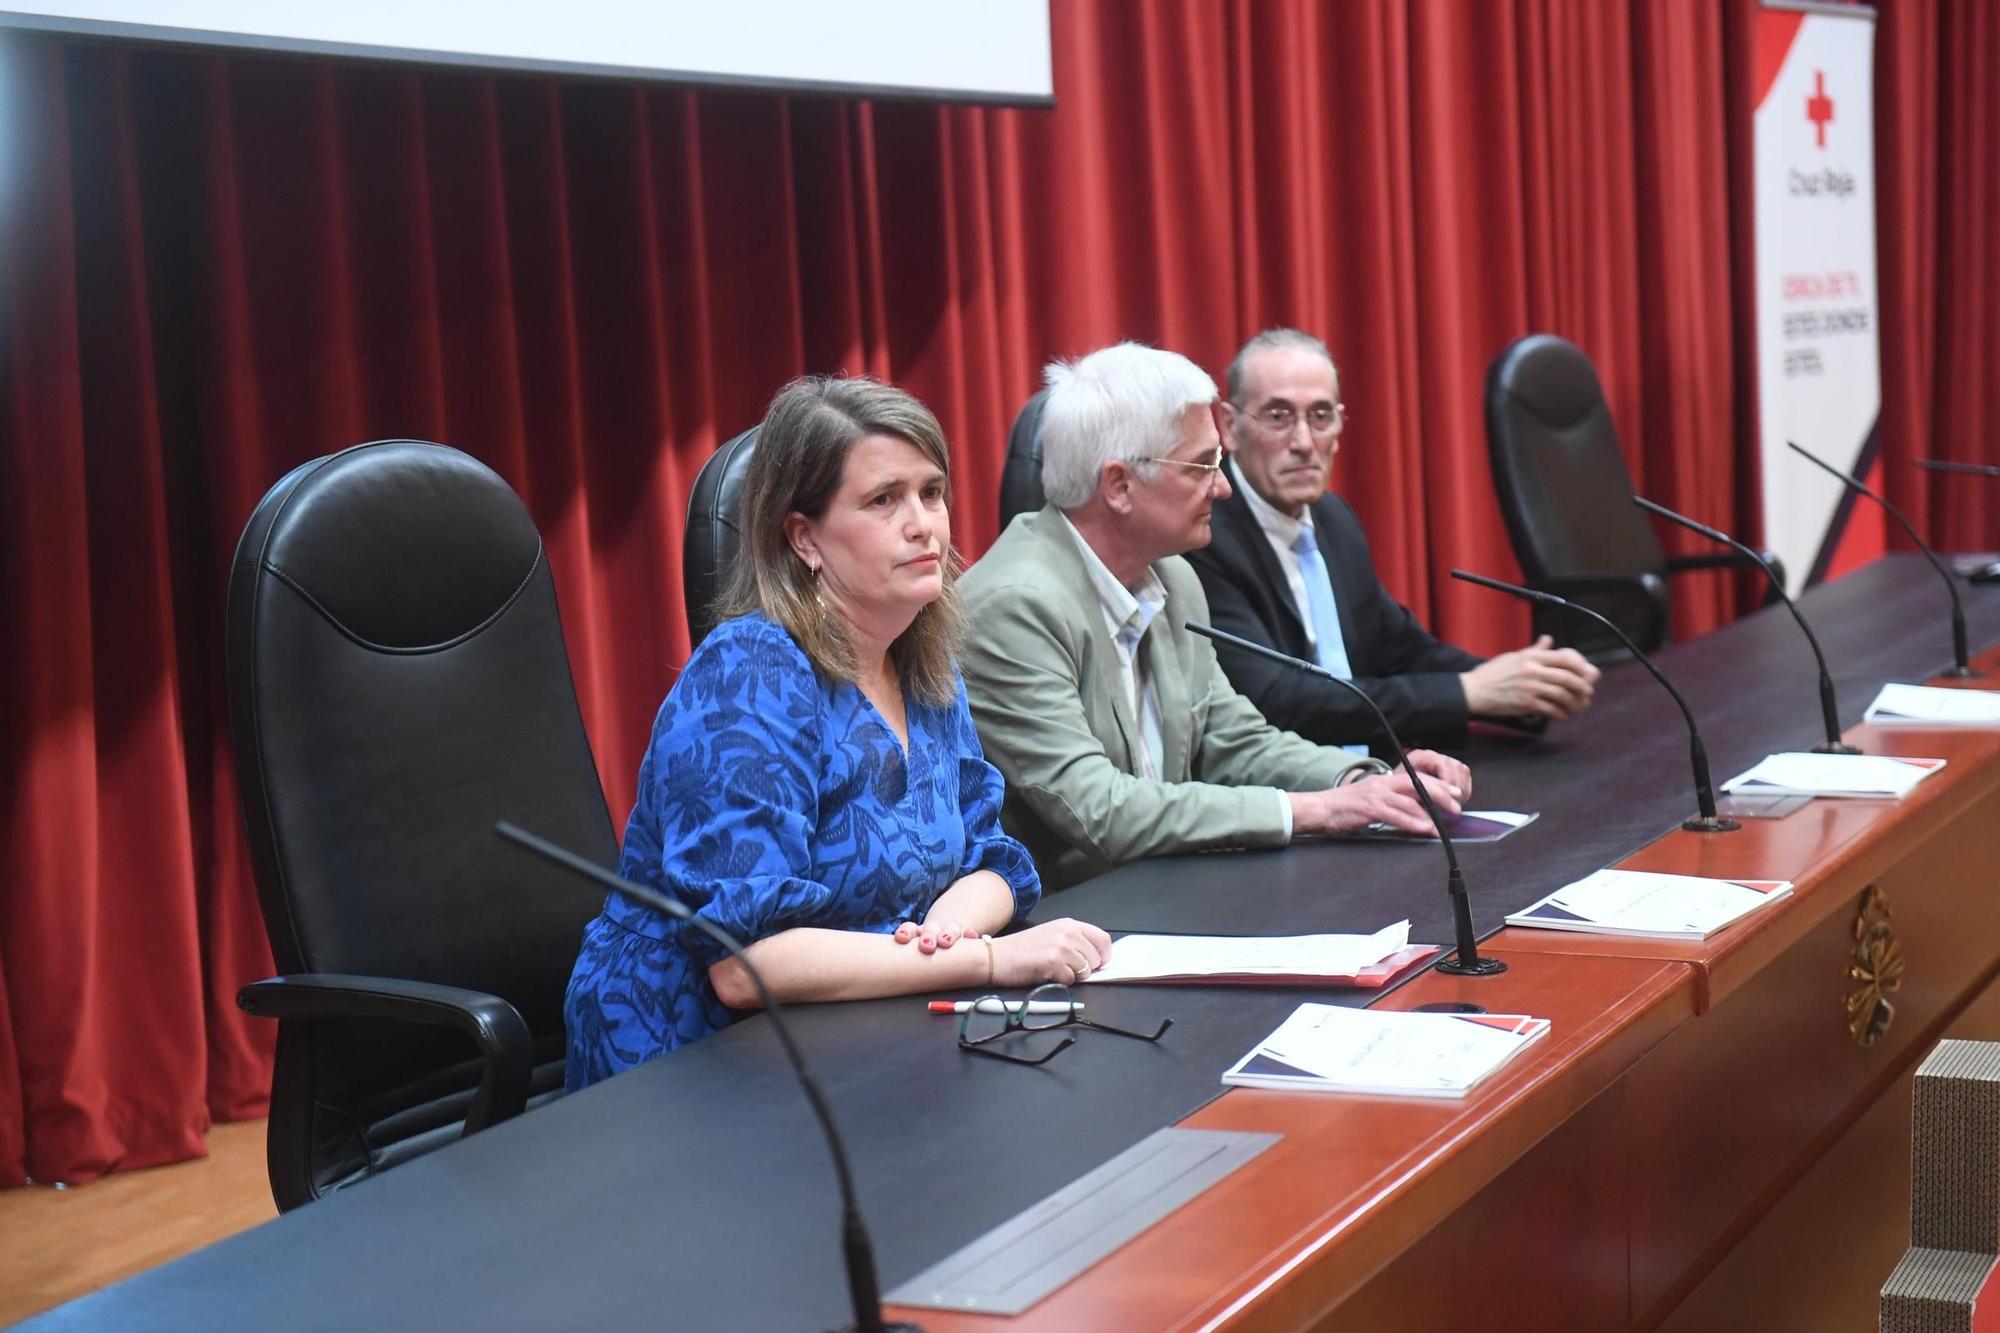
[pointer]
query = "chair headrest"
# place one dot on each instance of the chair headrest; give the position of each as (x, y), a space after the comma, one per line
(1021, 475)
(714, 526)
(360, 536)
(1552, 380)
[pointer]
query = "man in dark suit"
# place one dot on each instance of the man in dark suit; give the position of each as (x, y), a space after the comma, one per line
(1288, 566)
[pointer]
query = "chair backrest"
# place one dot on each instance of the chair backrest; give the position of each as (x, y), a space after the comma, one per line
(1563, 485)
(398, 682)
(1021, 474)
(714, 529)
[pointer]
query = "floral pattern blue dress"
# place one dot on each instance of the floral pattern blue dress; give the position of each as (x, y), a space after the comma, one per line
(772, 797)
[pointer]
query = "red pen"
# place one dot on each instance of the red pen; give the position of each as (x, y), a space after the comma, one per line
(994, 1005)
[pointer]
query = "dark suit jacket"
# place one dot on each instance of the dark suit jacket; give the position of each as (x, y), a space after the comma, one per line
(1411, 676)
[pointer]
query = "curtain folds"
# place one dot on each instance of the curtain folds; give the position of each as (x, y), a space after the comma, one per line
(214, 267)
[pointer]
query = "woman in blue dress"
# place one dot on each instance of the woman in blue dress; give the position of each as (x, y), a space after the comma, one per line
(814, 784)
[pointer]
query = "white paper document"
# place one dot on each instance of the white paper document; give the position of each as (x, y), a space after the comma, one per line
(1644, 902)
(1329, 1048)
(1164, 957)
(1856, 775)
(1928, 706)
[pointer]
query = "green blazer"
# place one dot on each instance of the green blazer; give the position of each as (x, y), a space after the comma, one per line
(1043, 678)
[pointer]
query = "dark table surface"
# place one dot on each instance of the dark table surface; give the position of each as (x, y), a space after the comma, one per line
(695, 1192)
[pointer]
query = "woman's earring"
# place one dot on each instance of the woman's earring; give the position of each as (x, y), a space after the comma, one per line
(819, 592)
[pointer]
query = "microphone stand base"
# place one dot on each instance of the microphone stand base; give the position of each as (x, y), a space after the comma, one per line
(1710, 824)
(1836, 747)
(1478, 967)
(1959, 673)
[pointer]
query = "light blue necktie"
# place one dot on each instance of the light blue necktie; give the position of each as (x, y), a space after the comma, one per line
(1328, 642)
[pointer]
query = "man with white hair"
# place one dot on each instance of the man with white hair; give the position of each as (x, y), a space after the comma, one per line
(1117, 732)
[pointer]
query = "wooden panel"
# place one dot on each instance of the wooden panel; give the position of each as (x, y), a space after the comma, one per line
(1714, 1125)
(1731, 1109)
(1819, 1258)
(1542, 1247)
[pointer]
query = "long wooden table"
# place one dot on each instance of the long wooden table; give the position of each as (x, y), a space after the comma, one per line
(1707, 1145)
(1699, 1144)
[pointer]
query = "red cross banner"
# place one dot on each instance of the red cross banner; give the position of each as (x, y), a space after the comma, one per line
(1819, 378)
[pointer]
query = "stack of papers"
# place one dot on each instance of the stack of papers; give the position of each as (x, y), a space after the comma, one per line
(1641, 902)
(1283, 960)
(1863, 775)
(1927, 706)
(1327, 1048)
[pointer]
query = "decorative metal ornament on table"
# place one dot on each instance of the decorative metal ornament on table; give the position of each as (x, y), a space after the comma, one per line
(1876, 970)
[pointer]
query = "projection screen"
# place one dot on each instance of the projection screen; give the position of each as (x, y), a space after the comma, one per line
(957, 50)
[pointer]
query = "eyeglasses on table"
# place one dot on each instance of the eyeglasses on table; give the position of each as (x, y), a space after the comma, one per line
(979, 1030)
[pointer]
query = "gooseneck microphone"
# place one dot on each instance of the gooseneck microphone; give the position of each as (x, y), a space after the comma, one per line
(1987, 573)
(1706, 821)
(1965, 469)
(1466, 962)
(1829, 711)
(859, 1253)
(1960, 666)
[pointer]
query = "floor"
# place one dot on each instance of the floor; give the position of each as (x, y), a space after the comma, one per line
(58, 1244)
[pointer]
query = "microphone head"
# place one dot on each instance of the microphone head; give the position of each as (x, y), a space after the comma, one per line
(1692, 525)
(1963, 469)
(1532, 594)
(1819, 462)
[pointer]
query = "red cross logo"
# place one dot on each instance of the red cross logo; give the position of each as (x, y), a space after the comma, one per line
(1819, 107)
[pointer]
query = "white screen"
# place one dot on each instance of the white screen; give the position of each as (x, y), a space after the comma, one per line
(988, 50)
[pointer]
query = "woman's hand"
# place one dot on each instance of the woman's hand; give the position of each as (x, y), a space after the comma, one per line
(1065, 951)
(931, 936)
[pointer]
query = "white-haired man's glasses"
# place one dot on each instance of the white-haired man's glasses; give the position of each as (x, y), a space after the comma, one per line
(1210, 462)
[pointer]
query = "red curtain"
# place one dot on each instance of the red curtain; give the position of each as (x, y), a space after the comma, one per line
(1937, 152)
(213, 267)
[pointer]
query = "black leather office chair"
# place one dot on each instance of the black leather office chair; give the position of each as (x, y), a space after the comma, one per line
(713, 529)
(1567, 499)
(1021, 474)
(398, 682)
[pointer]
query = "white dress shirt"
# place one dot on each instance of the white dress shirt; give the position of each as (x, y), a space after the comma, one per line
(1126, 617)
